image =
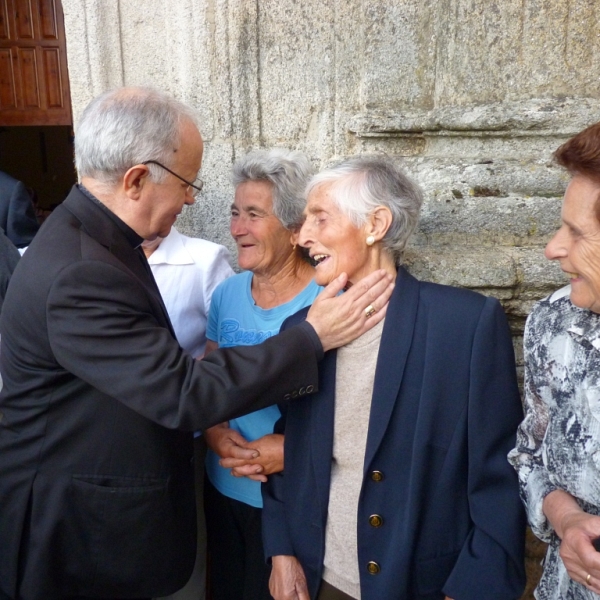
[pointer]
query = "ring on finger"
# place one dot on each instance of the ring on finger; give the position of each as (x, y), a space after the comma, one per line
(370, 311)
(588, 579)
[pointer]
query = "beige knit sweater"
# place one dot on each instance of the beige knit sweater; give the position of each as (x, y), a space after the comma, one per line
(355, 374)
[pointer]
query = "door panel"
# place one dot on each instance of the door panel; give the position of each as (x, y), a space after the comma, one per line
(54, 95)
(24, 18)
(4, 30)
(34, 84)
(8, 88)
(48, 27)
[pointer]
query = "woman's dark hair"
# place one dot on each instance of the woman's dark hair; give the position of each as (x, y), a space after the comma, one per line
(581, 154)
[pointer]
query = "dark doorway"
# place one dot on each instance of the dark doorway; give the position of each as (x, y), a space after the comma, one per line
(42, 158)
(36, 138)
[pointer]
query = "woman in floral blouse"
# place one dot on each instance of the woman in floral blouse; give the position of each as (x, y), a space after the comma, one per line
(557, 455)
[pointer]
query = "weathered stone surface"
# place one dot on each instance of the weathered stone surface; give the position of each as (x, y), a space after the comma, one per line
(469, 268)
(455, 220)
(471, 105)
(535, 116)
(472, 96)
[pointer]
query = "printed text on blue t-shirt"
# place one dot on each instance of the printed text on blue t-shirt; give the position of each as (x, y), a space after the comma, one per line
(232, 333)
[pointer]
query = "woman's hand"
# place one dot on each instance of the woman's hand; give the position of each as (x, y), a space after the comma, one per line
(339, 319)
(228, 443)
(269, 460)
(577, 529)
(288, 581)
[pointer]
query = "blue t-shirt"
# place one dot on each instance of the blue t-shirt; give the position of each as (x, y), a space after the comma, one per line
(235, 320)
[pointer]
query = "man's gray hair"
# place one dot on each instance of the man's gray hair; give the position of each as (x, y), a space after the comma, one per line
(288, 171)
(125, 127)
(361, 183)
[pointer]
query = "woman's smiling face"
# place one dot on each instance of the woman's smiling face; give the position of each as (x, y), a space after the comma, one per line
(334, 242)
(576, 245)
(263, 243)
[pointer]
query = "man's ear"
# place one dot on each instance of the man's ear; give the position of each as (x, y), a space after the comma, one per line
(380, 220)
(134, 180)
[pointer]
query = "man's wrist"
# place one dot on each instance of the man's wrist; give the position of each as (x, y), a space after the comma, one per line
(313, 337)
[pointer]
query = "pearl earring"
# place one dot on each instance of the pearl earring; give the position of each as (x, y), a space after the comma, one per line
(370, 240)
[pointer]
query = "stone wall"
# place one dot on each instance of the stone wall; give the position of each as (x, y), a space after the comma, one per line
(472, 96)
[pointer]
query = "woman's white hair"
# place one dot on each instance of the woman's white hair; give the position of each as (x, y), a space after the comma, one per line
(125, 127)
(361, 183)
(288, 171)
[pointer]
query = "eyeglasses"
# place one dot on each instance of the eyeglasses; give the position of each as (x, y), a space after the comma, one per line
(197, 186)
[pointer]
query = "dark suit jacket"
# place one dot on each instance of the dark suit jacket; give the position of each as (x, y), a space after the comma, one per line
(17, 214)
(96, 415)
(444, 413)
(9, 257)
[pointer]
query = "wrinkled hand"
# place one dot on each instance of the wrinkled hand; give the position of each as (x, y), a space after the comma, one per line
(340, 319)
(228, 443)
(269, 460)
(577, 529)
(288, 581)
(580, 557)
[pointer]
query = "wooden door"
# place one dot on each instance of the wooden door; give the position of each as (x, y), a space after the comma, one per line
(34, 83)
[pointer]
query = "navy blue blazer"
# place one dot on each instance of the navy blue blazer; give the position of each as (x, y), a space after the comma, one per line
(444, 413)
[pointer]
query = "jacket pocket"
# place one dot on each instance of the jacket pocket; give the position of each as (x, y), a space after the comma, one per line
(127, 524)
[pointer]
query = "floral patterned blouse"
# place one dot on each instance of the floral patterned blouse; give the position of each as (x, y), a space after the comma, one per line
(558, 443)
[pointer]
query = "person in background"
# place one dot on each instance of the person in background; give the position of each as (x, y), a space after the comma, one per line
(396, 484)
(187, 270)
(17, 212)
(247, 309)
(9, 257)
(557, 454)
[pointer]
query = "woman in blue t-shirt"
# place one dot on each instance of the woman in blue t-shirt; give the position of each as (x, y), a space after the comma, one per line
(277, 281)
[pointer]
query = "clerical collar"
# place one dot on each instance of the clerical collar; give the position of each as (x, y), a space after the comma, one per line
(132, 237)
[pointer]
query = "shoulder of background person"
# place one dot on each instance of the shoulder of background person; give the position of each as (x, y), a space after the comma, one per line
(203, 252)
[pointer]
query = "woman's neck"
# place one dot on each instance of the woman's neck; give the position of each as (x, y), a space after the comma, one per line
(271, 290)
(378, 259)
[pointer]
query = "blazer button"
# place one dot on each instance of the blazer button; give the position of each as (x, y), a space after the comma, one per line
(375, 520)
(377, 476)
(373, 567)
(287, 397)
(302, 391)
(310, 389)
(294, 394)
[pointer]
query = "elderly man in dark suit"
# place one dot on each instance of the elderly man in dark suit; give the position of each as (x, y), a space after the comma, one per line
(17, 214)
(99, 401)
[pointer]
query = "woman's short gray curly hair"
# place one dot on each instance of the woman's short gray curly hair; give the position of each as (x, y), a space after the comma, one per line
(361, 183)
(288, 171)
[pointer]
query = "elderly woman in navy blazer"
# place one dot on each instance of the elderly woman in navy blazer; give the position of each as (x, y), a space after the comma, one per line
(396, 483)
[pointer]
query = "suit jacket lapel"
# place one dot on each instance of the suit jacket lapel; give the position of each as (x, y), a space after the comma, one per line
(322, 417)
(395, 345)
(99, 226)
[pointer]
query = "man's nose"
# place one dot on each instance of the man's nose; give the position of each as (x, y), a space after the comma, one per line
(190, 195)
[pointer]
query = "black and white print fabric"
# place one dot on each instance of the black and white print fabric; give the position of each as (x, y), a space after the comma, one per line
(558, 443)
